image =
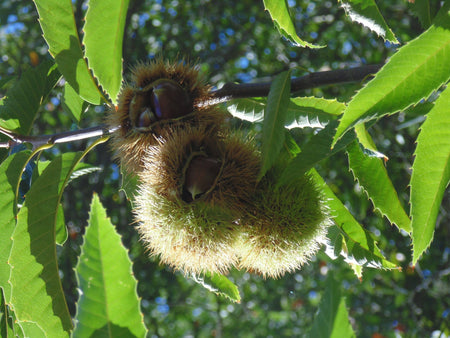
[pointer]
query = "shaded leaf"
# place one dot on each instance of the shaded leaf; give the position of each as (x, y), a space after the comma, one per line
(274, 120)
(19, 107)
(58, 25)
(332, 319)
(280, 15)
(103, 37)
(109, 304)
(430, 173)
(372, 176)
(366, 13)
(10, 174)
(410, 75)
(73, 103)
(315, 150)
(348, 238)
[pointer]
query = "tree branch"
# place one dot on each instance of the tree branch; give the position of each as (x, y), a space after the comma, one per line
(231, 91)
(227, 92)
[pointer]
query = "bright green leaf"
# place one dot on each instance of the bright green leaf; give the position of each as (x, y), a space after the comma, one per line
(19, 107)
(332, 319)
(348, 238)
(57, 21)
(10, 175)
(273, 131)
(430, 173)
(103, 36)
(366, 13)
(109, 304)
(410, 75)
(220, 285)
(251, 110)
(372, 176)
(280, 15)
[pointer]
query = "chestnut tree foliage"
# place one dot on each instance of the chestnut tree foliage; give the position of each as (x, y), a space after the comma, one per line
(380, 144)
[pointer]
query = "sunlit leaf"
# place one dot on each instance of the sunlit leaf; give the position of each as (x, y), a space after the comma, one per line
(280, 15)
(57, 21)
(19, 107)
(366, 13)
(348, 238)
(220, 285)
(410, 75)
(251, 110)
(332, 319)
(372, 176)
(103, 36)
(430, 173)
(109, 304)
(274, 120)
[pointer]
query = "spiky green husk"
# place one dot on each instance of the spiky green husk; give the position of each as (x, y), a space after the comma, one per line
(234, 187)
(283, 229)
(194, 238)
(129, 144)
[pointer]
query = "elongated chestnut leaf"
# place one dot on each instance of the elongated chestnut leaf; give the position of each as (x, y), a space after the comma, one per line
(103, 37)
(109, 304)
(57, 21)
(430, 173)
(410, 75)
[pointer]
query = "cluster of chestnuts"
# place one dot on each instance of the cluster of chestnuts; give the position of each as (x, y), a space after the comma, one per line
(200, 206)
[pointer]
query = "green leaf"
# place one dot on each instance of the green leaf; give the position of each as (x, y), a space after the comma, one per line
(372, 176)
(366, 13)
(348, 238)
(315, 150)
(73, 103)
(220, 285)
(108, 305)
(58, 25)
(103, 36)
(279, 12)
(332, 320)
(60, 226)
(430, 173)
(35, 275)
(10, 175)
(410, 75)
(6, 320)
(273, 132)
(251, 110)
(312, 112)
(19, 107)
(422, 11)
(129, 184)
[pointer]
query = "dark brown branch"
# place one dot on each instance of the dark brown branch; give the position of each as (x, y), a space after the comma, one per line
(227, 92)
(234, 91)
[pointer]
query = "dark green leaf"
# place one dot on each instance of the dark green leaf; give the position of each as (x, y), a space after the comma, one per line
(332, 319)
(19, 107)
(109, 304)
(273, 131)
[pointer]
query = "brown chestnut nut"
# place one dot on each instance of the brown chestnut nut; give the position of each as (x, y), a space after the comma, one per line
(200, 177)
(163, 99)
